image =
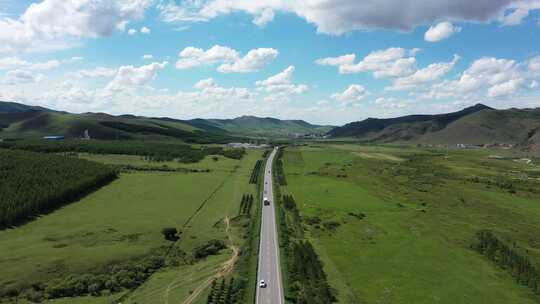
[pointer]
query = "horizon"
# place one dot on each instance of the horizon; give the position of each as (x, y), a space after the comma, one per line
(214, 59)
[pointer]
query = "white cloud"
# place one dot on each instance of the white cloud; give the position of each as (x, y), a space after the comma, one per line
(432, 72)
(229, 59)
(254, 60)
(487, 76)
(506, 88)
(16, 62)
(103, 72)
(392, 62)
(280, 86)
(340, 16)
(145, 30)
(21, 76)
(517, 11)
(148, 57)
(534, 84)
(52, 24)
(355, 92)
(132, 77)
(441, 31)
(534, 65)
(191, 57)
(132, 32)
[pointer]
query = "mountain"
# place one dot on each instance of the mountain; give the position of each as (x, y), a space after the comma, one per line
(478, 124)
(22, 121)
(13, 107)
(252, 125)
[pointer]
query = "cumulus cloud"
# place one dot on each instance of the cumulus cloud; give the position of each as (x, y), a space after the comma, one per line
(145, 30)
(341, 16)
(355, 92)
(52, 23)
(99, 72)
(496, 77)
(17, 63)
(254, 60)
(432, 72)
(441, 31)
(131, 77)
(229, 59)
(148, 57)
(20, 77)
(132, 32)
(517, 11)
(392, 62)
(533, 65)
(281, 86)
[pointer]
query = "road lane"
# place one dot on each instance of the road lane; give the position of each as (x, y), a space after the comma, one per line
(269, 267)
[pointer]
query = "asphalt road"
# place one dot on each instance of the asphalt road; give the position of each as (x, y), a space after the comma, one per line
(269, 267)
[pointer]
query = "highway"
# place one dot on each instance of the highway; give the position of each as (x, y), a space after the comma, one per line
(269, 267)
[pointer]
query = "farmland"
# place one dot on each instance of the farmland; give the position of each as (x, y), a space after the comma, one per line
(108, 236)
(397, 224)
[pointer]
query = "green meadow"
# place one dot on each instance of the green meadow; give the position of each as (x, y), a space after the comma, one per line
(123, 221)
(396, 224)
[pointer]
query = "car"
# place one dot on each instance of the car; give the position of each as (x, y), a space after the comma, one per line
(266, 201)
(262, 284)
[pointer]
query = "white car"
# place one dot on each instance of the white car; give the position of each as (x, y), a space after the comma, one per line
(262, 284)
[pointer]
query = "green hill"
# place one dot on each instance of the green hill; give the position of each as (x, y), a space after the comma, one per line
(478, 125)
(22, 121)
(264, 126)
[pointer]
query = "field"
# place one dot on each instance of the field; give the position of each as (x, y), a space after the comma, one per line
(396, 224)
(122, 223)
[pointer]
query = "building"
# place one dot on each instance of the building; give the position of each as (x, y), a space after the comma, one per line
(54, 137)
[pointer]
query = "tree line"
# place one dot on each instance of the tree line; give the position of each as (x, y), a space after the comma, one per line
(246, 204)
(225, 292)
(509, 258)
(152, 151)
(307, 281)
(280, 173)
(255, 173)
(34, 183)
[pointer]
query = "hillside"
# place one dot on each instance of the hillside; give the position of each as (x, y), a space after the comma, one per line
(23, 121)
(478, 124)
(251, 125)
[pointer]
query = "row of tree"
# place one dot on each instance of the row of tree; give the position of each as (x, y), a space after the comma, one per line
(246, 204)
(120, 276)
(225, 292)
(153, 151)
(34, 183)
(280, 173)
(256, 172)
(307, 281)
(508, 257)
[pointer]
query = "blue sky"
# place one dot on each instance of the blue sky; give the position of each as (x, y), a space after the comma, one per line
(325, 61)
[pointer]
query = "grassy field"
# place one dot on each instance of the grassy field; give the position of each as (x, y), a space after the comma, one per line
(420, 214)
(123, 221)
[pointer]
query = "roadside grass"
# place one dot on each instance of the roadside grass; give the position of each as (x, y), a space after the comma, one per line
(123, 220)
(413, 245)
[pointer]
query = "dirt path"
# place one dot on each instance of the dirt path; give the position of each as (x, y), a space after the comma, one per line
(225, 269)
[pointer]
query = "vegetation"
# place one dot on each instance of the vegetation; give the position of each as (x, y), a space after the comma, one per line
(280, 174)
(254, 178)
(246, 204)
(154, 151)
(212, 247)
(305, 276)
(117, 226)
(509, 258)
(32, 183)
(405, 218)
(226, 292)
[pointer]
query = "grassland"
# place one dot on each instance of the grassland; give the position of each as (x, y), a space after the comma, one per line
(123, 221)
(395, 224)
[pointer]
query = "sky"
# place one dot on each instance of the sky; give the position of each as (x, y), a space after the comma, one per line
(323, 61)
